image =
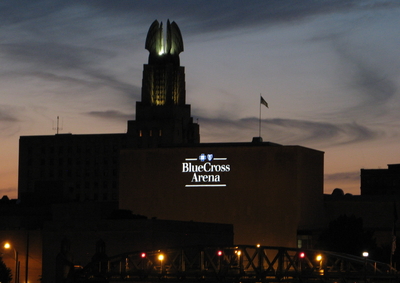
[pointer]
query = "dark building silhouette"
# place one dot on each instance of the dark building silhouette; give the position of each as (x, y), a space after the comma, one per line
(66, 167)
(381, 181)
(377, 206)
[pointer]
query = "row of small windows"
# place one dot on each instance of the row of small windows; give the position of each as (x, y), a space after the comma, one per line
(95, 196)
(77, 161)
(150, 133)
(93, 185)
(107, 187)
(60, 150)
(77, 173)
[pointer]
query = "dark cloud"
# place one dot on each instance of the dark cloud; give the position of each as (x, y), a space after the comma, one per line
(54, 62)
(335, 134)
(8, 191)
(8, 114)
(289, 131)
(200, 16)
(132, 92)
(9, 123)
(343, 176)
(111, 114)
(368, 79)
(63, 51)
(56, 56)
(363, 73)
(208, 16)
(348, 182)
(13, 12)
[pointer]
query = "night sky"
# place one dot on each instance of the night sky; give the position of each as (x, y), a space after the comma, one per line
(329, 70)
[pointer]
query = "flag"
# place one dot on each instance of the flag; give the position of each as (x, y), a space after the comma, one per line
(262, 101)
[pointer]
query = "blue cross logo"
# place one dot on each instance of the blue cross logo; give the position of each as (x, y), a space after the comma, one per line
(202, 157)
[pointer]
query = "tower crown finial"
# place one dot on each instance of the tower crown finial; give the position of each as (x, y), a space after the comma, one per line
(164, 51)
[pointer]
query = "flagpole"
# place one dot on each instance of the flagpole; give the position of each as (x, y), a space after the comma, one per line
(259, 119)
(394, 238)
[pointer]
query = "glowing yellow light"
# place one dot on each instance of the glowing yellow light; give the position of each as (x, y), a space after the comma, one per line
(161, 50)
(258, 245)
(238, 252)
(319, 257)
(161, 257)
(7, 246)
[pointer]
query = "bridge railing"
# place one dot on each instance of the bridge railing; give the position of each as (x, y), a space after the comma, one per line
(251, 263)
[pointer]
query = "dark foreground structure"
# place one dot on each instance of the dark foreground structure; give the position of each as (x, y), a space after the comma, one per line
(237, 264)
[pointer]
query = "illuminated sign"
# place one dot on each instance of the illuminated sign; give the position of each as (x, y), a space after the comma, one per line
(204, 171)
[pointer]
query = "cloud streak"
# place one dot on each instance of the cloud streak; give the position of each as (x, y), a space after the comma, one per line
(343, 176)
(111, 114)
(371, 83)
(9, 121)
(57, 56)
(205, 16)
(66, 64)
(290, 131)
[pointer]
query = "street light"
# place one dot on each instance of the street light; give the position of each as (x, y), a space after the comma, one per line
(319, 259)
(161, 258)
(365, 255)
(8, 246)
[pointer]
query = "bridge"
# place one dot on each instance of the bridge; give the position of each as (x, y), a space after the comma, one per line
(246, 264)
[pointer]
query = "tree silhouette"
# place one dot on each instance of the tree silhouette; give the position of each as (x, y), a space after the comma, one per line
(347, 235)
(5, 272)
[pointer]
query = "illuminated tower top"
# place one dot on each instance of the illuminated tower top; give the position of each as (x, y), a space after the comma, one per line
(162, 114)
(163, 77)
(162, 52)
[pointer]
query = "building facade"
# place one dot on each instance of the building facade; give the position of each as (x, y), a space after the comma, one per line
(267, 191)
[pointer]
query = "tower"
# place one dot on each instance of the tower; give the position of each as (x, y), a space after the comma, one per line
(162, 115)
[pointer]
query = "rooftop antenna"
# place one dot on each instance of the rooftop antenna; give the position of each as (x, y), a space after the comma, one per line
(58, 128)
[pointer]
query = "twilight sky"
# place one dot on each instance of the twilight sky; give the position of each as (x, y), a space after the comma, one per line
(329, 70)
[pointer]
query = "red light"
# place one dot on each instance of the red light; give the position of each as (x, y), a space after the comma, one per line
(302, 255)
(219, 253)
(143, 255)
